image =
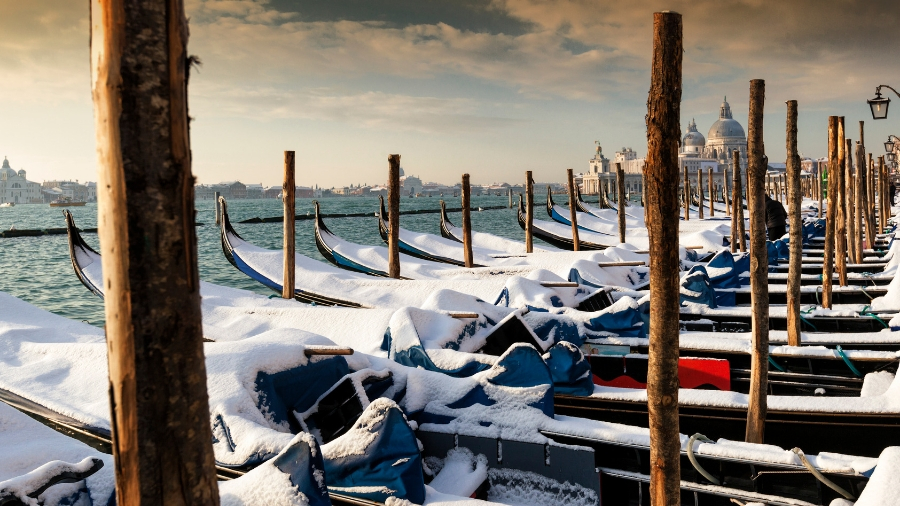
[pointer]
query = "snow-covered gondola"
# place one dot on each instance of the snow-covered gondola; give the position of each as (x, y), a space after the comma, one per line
(85, 260)
(555, 234)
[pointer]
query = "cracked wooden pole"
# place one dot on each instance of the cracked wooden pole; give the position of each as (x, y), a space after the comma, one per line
(620, 180)
(529, 212)
(850, 212)
(161, 435)
(394, 216)
(840, 231)
(663, 135)
(759, 267)
(796, 239)
(830, 220)
(467, 221)
(288, 242)
(725, 194)
(858, 189)
(686, 193)
(700, 193)
(712, 199)
(867, 204)
(738, 200)
(573, 217)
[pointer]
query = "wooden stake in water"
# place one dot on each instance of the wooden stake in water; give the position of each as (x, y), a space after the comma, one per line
(394, 216)
(288, 243)
(620, 180)
(830, 220)
(795, 242)
(738, 202)
(467, 221)
(712, 199)
(759, 267)
(870, 203)
(157, 372)
(686, 193)
(576, 246)
(725, 193)
(663, 135)
(529, 212)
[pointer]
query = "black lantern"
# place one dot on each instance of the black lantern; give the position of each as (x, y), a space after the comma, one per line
(879, 105)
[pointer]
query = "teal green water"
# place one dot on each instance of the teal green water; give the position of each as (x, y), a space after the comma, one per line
(38, 269)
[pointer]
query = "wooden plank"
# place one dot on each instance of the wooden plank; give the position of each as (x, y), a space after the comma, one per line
(161, 435)
(327, 351)
(461, 316)
(622, 264)
(662, 168)
(759, 274)
(288, 264)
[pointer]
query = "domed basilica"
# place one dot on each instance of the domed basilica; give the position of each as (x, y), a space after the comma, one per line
(725, 136)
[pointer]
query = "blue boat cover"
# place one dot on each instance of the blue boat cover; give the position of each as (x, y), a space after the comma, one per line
(723, 271)
(570, 371)
(377, 458)
(302, 462)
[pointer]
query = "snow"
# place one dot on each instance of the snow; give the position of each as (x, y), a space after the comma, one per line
(884, 484)
(524, 488)
(265, 484)
(462, 473)
(876, 383)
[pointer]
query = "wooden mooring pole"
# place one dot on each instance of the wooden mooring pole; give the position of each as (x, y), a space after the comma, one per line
(662, 167)
(830, 220)
(759, 267)
(712, 198)
(867, 205)
(686, 193)
(161, 435)
(573, 217)
(738, 202)
(700, 194)
(467, 221)
(394, 216)
(795, 242)
(288, 244)
(620, 183)
(840, 231)
(529, 212)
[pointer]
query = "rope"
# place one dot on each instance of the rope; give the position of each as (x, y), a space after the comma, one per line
(864, 312)
(821, 477)
(693, 459)
(804, 320)
(776, 366)
(848, 362)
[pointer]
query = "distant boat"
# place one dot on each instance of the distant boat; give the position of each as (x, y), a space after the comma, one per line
(66, 202)
(7, 204)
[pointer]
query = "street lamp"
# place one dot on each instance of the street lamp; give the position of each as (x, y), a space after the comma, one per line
(890, 157)
(879, 104)
(889, 144)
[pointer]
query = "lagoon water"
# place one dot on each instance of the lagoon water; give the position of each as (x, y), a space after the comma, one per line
(38, 269)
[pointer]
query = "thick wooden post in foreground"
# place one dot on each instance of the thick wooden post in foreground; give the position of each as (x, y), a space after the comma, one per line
(467, 220)
(663, 134)
(288, 245)
(529, 212)
(830, 219)
(161, 436)
(759, 267)
(620, 182)
(573, 218)
(394, 216)
(796, 248)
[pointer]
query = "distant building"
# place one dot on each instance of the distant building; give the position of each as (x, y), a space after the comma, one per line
(15, 188)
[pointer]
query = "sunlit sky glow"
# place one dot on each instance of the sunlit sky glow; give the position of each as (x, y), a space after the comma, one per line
(489, 87)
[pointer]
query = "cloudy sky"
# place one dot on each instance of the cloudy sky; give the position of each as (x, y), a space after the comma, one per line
(489, 87)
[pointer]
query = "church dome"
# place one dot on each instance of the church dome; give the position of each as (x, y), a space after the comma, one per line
(726, 126)
(6, 171)
(693, 138)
